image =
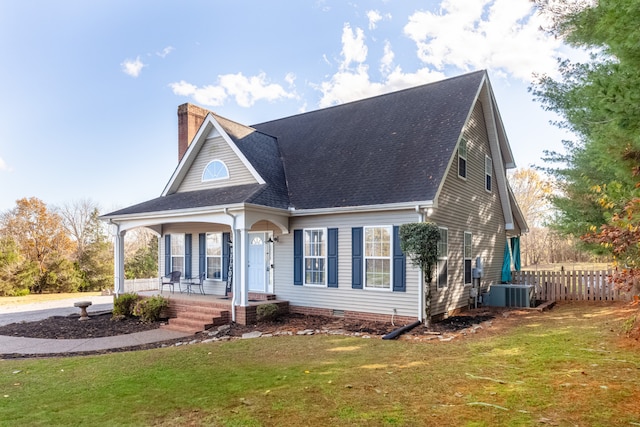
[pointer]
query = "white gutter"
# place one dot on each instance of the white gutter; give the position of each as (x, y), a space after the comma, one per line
(364, 208)
(235, 294)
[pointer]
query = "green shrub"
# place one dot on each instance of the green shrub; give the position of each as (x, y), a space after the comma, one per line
(267, 312)
(148, 309)
(21, 292)
(124, 304)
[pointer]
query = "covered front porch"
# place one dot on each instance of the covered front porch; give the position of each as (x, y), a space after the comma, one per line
(230, 251)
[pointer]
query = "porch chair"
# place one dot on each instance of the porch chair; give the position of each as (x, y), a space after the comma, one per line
(199, 283)
(170, 280)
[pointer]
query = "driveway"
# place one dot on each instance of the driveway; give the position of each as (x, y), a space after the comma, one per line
(14, 313)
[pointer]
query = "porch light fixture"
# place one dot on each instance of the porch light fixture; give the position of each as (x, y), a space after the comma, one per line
(272, 239)
(429, 211)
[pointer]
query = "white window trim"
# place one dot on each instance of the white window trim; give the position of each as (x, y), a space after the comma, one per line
(488, 173)
(443, 258)
(203, 179)
(365, 257)
(464, 141)
(465, 258)
(305, 256)
(207, 256)
(184, 250)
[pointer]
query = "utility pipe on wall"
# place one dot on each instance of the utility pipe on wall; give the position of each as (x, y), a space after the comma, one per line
(420, 276)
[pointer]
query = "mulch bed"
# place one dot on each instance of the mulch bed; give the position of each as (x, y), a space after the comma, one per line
(102, 325)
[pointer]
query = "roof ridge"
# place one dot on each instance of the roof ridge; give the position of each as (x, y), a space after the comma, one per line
(369, 98)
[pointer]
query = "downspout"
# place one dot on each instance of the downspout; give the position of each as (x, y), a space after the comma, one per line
(235, 271)
(420, 276)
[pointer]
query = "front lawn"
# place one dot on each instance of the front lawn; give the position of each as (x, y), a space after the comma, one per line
(569, 366)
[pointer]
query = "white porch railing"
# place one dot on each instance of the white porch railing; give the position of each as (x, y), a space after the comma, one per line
(137, 285)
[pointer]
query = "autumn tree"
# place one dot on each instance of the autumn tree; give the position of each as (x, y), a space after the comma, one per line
(41, 239)
(77, 218)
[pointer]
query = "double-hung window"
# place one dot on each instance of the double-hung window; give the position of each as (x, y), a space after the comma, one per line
(467, 257)
(377, 257)
(443, 258)
(315, 252)
(177, 252)
(462, 158)
(214, 256)
(488, 173)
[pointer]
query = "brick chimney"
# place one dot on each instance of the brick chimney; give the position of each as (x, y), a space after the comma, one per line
(190, 117)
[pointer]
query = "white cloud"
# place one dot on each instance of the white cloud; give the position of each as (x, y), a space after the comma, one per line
(374, 17)
(3, 165)
(132, 67)
(351, 83)
(502, 35)
(290, 78)
(346, 86)
(353, 47)
(212, 96)
(166, 51)
(387, 59)
(245, 90)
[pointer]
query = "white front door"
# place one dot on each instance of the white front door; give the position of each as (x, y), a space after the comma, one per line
(257, 265)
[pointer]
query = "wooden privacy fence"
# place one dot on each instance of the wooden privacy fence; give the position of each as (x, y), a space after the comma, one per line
(570, 285)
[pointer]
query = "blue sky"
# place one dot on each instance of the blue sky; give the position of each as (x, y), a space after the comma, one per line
(90, 89)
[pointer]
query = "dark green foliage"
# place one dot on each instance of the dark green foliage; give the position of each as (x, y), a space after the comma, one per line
(144, 262)
(96, 259)
(600, 103)
(149, 309)
(16, 273)
(267, 312)
(419, 241)
(123, 305)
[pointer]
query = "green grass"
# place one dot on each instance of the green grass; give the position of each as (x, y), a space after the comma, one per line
(564, 367)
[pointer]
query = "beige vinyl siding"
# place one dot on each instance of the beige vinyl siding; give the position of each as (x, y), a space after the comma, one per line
(465, 205)
(216, 148)
(211, 287)
(344, 297)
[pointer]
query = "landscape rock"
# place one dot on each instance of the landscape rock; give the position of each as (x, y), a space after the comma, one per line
(249, 335)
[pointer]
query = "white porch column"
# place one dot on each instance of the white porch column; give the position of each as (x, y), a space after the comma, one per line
(118, 262)
(243, 285)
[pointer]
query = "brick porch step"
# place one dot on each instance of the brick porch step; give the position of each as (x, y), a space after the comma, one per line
(193, 317)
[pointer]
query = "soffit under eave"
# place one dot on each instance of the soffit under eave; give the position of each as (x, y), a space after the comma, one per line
(494, 130)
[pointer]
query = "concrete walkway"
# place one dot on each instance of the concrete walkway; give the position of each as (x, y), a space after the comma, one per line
(38, 311)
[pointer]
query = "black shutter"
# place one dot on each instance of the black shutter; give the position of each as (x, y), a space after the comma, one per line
(226, 250)
(167, 254)
(332, 257)
(202, 253)
(187, 255)
(356, 258)
(297, 257)
(399, 263)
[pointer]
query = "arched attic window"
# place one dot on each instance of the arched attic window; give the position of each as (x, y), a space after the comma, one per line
(215, 169)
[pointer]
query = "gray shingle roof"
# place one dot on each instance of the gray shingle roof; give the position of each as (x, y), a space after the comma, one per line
(388, 149)
(194, 199)
(392, 148)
